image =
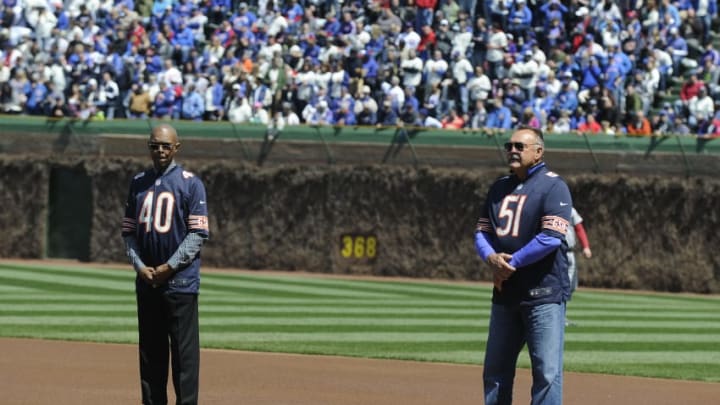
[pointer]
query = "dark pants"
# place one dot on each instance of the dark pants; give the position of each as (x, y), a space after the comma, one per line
(168, 327)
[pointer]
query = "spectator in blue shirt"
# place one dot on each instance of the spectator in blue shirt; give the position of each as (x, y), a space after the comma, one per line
(193, 106)
(519, 19)
(184, 40)
(566, 100)
(500, 116)
(164, 102)
(678, 49)
(705, 16)
(344, 115)
(386, 115)
(161, 7)
(552, 10)
(63, 18)
(35, 99)
(592, 75)
(243, 17)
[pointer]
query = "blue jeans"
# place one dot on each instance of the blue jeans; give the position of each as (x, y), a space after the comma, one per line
(543, 329)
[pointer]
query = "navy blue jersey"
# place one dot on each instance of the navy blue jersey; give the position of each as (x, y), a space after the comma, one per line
(161, 210)
(515, 212)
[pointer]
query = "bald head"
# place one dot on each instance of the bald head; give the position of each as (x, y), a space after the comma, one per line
(163, 146)
(164, 133)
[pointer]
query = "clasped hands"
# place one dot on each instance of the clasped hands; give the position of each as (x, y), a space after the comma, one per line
(156, 275)
(502, 270)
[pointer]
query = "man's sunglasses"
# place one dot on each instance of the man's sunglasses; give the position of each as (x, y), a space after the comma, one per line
(519, 146)
(160, 146)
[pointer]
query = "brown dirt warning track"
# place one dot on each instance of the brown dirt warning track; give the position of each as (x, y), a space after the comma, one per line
(39, 372)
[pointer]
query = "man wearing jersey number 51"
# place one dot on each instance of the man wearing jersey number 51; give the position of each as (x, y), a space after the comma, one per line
(165, 225)
(521, 235)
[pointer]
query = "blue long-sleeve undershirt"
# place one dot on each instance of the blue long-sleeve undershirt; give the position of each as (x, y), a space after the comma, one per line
(540, 246)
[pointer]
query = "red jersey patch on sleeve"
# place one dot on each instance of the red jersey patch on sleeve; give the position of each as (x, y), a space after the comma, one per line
(555, 223)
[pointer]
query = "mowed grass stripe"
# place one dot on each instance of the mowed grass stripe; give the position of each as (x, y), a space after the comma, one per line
(213, 284)
(644, 297)
(660, 306)
(59, 279)
(397, 287)
(647, 357)
(79, 272)
(634, 316)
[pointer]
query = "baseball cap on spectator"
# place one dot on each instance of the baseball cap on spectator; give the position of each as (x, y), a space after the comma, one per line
(589, 37)
(242, 5)
(444, 22)
(582, 11)
(366, 89)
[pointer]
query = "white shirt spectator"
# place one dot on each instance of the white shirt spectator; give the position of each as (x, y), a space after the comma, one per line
(599, 12)
(171, 76)
(525, 71)
(336, 81)
(461, 69)
(260, 115)
(43, 20)
(305, 81)
(553, 87)
(397, 94)
(496, 46)
(431, 122)
(366, 103)
(239, 110)
(461, 41)
(701, 107)
(268, 51)
(278, 25)
(322, 79)
(308, 112)
(435, 69)
(412, 70)
(198, 21)
(411, 38)
(664, 60)
(292, 119)
(479, 87)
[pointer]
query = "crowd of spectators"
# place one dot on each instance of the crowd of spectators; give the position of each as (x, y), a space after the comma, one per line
(596, 66)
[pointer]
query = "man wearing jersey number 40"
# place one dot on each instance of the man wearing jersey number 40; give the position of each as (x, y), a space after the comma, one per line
(521, 235)
(165, 225)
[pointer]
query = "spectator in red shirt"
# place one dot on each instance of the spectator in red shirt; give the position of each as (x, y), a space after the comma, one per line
(590, 125)
(691, 88)
(639, 125)
(427, 41)
(453, 120)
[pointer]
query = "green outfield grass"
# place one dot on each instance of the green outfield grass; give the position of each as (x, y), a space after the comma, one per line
(654, 335)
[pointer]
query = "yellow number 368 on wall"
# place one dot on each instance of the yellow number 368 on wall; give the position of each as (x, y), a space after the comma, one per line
(354, 246)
